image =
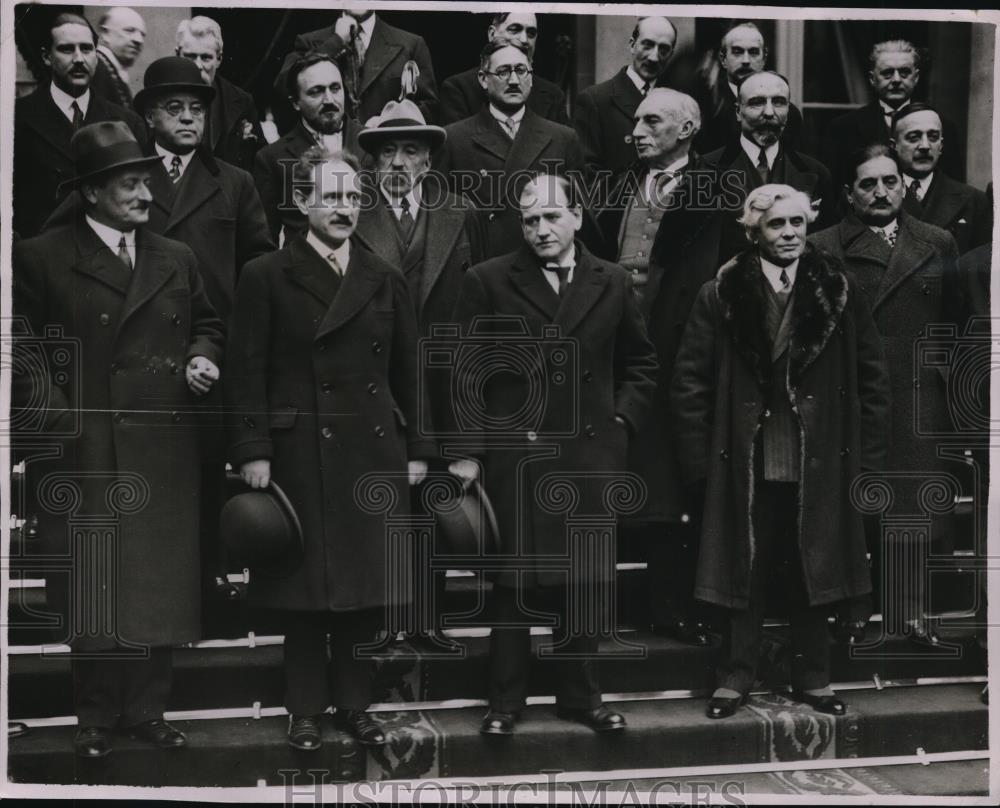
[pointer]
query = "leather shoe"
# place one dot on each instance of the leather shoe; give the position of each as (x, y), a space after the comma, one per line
(689, 632)
(850, 632)
(360, 725)
(16, 729)
(304, 732)
(923, 635)
(497, 722)
(824, 704)
(723, 706)
(431, 641)
(92, 742)
(159, 733)
(601, 719)
(219, 588)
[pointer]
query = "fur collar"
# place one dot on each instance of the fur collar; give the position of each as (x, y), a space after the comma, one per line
(820, 298)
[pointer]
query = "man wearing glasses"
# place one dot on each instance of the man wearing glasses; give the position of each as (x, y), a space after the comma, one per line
(488, 155)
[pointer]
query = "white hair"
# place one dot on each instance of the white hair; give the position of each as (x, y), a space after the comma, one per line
(760, 200)
(200, 28)
(682, 106)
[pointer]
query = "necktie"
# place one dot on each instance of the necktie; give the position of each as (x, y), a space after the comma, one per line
(359, 47)
(511, 125)
(332, 258)
(913, 190)
(645, 88)
(123, 253)
(786, 282)
(762, 167)
(658, 181)
(175, 168)
(405, 218)
(890, 237)
(563, 274)
(77, 116)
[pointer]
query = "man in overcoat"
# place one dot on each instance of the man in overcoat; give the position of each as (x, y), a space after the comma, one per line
(120, 42)
(45, 120)
(552, 280)
(780, 399)
(487, 155)
(322, 370)
(149, 347)
(908, 272)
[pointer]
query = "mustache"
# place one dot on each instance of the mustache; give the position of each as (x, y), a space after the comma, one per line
(329, 108)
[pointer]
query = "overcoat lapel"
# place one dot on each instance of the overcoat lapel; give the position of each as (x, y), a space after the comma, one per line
(444, 226)
(530, 142)
(489, 137)
(529, 280)
(97, 261)
(152, 271)
(307, 269)
(195, 188)
(910, 254)
(583, 293)
(359, 284)
(379, 55)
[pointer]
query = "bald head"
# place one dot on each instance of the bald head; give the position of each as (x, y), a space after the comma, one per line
(665, 123)
(651, 47)
(122, 31)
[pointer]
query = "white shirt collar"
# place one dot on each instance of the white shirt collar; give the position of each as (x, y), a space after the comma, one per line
(773, 272)
(334, 142)
(112, 238)
(733, 89)
(637, 80)
(665, 188)
(168, 157)
(888, 111)
(414, 196)
(500, 116)
(752, 150)
(366, 29)
(64, 101)
(566, 260)
(114, 60)
(342, 253)
(924, 182)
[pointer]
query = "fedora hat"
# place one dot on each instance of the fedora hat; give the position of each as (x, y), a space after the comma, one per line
(101, 147)
(172, 74)
(399, 120)
(260, 529)
(467, 524)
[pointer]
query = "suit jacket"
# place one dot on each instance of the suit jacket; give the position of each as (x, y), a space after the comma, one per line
(108, 83)
(389, 50)
(234, 132)
(719, 127)
(866, 125)
(42, 158)
(573, 435)
(480, 160)
(461, 96)
(604, 121)
(962, 210)
(272, 173)
(738, 176)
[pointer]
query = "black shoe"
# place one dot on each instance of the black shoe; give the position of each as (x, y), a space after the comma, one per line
(16, 729)
(219, 588)
(723, 706)
(923, 635)
(824, 704)
(159, 733)
(304, 732)
(360, 725)
(689, 632)
(601, 719)
(431, 641)
(92, 742)
(850, 632)
(497, 722)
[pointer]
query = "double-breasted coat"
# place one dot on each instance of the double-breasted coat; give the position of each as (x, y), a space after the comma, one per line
(138, 425)
(962, 210)
(321, 380)
(604, 119)
(839, 391)
(574, 432)
(484, 164)
(233, 132)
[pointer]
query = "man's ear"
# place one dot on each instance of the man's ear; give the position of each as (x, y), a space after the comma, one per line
(482, 79)
(892, 143)
(46, 58)
(88, 193)
(149, 118)
(301, 201)
(871, 78)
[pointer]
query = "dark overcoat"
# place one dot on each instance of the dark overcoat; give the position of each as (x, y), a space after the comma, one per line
(108, 84)
(604, 118)
(138, 423)
(685, 254)
(233, 131)
(576, 432)
(484, 164)
(839, 390)
(42, 159)
(917, 286)
(462, 96)
(322, 381)
(962, 210)
(272, 174)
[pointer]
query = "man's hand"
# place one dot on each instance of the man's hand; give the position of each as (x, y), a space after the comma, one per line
(201, 374)
(466, 470)
(256, 473)
(417, 469)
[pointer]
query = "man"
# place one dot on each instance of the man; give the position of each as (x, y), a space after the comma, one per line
(485, 154)
(377, 54)
(931, 195)
(322, 390)
(553, 280)
(907, 271)
(233, 131)
(45, 120)
(894, 74)
(760, 157)
(462, 96)
(316, 90)
(774, 347)
(741, 54)
(120, 42)
(663, 220)
(604, 113)
(150, 346)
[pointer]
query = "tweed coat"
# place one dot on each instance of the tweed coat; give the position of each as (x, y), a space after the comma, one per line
(322, 381)
(839, 390)
(461, 96)
(233, 132)
(138, 425)
(483, 163)
(962, 210)
(919, 285)
(108, 84)
(575, 433)
(42, 159)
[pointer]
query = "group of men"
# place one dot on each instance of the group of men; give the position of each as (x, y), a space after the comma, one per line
(150, 229)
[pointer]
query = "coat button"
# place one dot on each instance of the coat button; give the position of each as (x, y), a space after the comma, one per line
(845, 451)
(372, 388)
(119, 417)
(105, 319)
(767, 413)
(326, 387)
(175, 368)
(326, 432)
(376, 347)
(175, 417)
(176, 319)
(379, 432)
(492, 216)
(588, 430)
(115, 369)
(532, 435)
(587, 376)
(249, 421)
(723, 455)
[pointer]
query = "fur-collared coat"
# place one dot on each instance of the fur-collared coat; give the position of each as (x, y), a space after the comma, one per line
(839, 388)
